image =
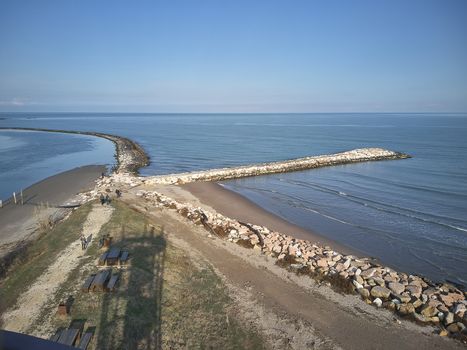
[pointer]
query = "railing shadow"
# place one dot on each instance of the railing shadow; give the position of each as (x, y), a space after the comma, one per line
(139, 295)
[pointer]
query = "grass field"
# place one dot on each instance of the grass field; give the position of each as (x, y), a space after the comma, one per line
(165, 298)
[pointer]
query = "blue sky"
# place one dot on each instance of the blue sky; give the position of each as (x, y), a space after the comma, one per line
(233, 56)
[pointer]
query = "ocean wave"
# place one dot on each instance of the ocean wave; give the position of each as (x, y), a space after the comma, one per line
(386, 207)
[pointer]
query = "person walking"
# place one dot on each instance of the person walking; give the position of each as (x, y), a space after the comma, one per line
(107, 199)
(102, 198)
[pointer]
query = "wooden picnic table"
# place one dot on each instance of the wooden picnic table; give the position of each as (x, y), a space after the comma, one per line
(85, 340)
(87, 283)
(124, 257)
(112, 282)
(68, 336)
(103, 258)
(100, 281)
(113, 255)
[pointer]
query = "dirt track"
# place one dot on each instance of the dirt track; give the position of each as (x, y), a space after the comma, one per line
(321, 317)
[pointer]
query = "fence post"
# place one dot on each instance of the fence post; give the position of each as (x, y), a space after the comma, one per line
(14, 196)
(1, 204)
(22, 197)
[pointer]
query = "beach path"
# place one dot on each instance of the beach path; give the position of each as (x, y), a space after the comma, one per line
(27, 310)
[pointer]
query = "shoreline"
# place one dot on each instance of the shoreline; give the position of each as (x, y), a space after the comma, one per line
(62, 191)
(236, 206)
(272, 236)
(129, 155)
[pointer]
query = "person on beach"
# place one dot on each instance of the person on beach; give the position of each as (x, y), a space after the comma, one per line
(107, 199)
(83, 242)
(118, 193)
(102, 175)
(102, 198)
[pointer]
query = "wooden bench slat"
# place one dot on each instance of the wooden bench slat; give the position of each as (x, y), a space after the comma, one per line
(85, 340)
(103, 258)
(99, 282)
(88, 282)
(113, 281)
(68, 337)
(124, 257)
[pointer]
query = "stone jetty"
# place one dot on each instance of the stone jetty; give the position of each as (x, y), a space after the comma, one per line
(129, 155)
(354, 156)
(409, 296)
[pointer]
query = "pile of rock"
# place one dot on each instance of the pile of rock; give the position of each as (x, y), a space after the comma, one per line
(408, 295)
(354, 156)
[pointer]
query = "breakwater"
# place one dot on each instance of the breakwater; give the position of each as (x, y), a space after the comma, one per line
(409, 296)
(129, 155)
(353, 156)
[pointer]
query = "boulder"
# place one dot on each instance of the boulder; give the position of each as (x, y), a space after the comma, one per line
(405, 309)
(453, 328)
(357, 285)
(322, 262)
(380, 292)
(448, 318)
(365, 293)
(415, 290)
(450, 298)
(359, 279)
(397, 288)
(417, 303)
(378, 302)
(429, 311)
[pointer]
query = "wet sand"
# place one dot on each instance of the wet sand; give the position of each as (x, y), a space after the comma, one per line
(236, 206)
(18, 222)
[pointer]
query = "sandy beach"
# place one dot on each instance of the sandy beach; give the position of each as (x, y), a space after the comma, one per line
(274, 303)
(236, 206)
(44, 198)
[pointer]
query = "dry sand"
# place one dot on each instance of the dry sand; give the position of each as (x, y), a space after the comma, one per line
(235, 206)
(18, 222)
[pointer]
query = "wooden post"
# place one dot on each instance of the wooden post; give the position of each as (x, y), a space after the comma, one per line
(14, 197)
(1, 204)
(22, 203)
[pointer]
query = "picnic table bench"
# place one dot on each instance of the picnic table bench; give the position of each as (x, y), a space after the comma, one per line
(99, 282)
(85, 340)
(112, 256)
(102, 258)
(124, 257)
(68, 336)
(88, 282)
(112, 282)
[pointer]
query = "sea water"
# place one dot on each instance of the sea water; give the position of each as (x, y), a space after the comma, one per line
(410, 214)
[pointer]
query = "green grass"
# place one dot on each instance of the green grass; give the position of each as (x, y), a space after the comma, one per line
(39, 255)
(164, 298)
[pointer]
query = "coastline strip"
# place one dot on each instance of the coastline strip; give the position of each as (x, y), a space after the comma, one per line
(353, 156)
(129, 155)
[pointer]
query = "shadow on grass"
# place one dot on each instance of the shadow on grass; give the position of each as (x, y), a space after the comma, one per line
(141, 299)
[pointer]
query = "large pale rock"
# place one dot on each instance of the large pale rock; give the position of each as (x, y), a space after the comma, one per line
(414, 290)
(378, 302)
(450, 298)
(397, 288)
(406, 309)
(365, 293)
(380, 292)
(429, 311)
(448, 318)
(322, 262)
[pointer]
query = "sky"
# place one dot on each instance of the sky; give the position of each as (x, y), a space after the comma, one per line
(233, 56)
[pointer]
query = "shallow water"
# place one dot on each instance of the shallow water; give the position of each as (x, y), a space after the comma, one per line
(411, 214)
(27, 157)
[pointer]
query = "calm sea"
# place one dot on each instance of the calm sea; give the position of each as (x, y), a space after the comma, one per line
(411, 214)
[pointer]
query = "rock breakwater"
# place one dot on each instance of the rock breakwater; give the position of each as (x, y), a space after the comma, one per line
(129, 155)
(354, 156)
(407, 295)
